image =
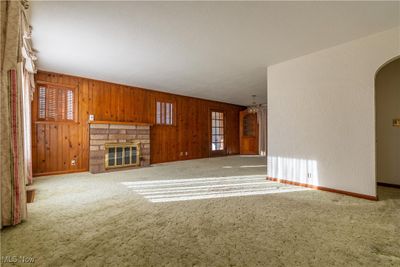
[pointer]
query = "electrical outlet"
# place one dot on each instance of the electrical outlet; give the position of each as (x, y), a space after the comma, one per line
(309, 175)
(91, 117)
(73, 162)
(186, 153)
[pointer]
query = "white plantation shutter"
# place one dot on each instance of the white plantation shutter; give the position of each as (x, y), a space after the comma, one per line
(70, 105)
(42, 102)
(51, 103)
(56, 104)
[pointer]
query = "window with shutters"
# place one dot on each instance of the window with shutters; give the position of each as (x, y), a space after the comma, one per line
(56, 103)
(165, 113)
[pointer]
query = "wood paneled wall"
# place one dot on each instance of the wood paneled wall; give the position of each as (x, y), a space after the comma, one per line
(55, 144)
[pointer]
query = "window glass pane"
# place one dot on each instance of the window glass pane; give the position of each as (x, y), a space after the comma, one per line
(119, 155)
(134, 155)
(111, 156)
(168, 114)
(127, 154)
(172, 110)
(218, 146)
(163, 113)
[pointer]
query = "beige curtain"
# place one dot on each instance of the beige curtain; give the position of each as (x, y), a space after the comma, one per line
(26, 119)
(28, 85)
(17, 65)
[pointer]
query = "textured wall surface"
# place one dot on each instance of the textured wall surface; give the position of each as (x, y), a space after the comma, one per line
(322, 111)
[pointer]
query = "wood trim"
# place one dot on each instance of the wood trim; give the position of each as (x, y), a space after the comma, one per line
(322, 188)
(388, 185)
(58, 172)
(57, 85)
(55, 122)
(120, 122)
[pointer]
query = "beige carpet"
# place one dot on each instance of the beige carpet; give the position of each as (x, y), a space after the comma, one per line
(193, 219)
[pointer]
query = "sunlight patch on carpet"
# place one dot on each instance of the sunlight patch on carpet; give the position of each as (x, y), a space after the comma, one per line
(206, 188)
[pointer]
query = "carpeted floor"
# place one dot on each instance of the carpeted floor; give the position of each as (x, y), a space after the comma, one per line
(193, 218)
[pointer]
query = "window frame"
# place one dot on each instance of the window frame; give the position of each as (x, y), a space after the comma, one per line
(220, 152)
(163, 116)
(57, 86)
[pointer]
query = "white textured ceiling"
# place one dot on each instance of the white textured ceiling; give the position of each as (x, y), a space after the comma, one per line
(212, 50)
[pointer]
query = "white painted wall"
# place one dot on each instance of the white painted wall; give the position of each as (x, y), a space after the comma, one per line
(321, 114)
(388, 137)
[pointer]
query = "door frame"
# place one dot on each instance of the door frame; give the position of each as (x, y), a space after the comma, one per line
(375, 125)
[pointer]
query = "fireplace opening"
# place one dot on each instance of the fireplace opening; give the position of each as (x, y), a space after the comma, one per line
(122, 155)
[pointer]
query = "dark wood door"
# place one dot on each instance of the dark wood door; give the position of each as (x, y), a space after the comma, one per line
(248, 133)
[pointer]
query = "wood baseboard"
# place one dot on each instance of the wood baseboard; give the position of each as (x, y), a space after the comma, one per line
(58, 172)
(388, 185)
(374, 198)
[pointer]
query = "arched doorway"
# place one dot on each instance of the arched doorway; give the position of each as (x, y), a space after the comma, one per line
(387, 114)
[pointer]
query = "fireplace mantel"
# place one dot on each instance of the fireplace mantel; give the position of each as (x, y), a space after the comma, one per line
(121, 123)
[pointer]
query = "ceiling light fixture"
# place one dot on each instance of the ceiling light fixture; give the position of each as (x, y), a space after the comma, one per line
(253, 107)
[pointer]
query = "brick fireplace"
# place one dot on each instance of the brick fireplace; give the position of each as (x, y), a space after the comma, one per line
(105, 134)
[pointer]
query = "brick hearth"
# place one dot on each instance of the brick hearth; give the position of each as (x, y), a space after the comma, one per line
(112, 132)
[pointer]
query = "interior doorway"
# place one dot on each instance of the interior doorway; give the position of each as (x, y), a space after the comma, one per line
(387, 108)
